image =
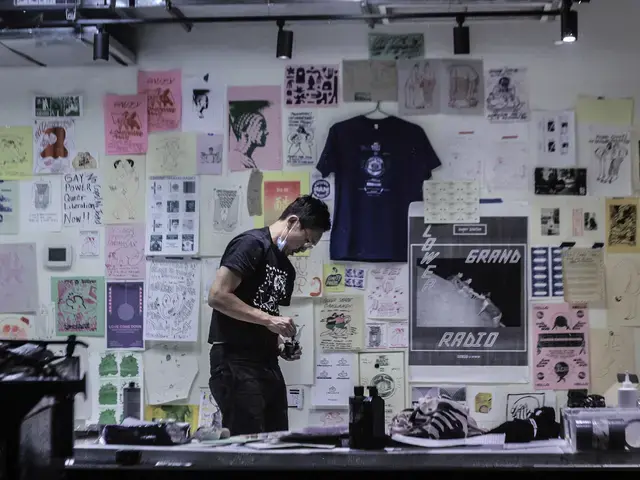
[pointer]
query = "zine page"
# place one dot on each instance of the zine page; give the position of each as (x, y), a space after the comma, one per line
(125, 309)
(339, 323)
(80, 308)
(610, 161)
(555, 138)
(300, 372)
(561, 355)
(388, 292)
(507, 95)
(53, 146)
(173, 221)
(123, 191)
(170, 373)
(583, 275)
(41, 204)
(9, 207)
(202, 103)
(335, 376)
(222, 215)
(16, 153)
(114, 372)
(125, 124)
(301, 138)
(14, 326)
(164, 98)
(124, 252)
(18, 278)
(623, 290)
(82, 203)
(611, 351)
(172, 306)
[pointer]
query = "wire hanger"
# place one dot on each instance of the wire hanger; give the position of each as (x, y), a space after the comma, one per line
(377, 110)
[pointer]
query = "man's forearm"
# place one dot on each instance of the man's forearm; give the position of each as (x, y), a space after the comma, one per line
(232, 306)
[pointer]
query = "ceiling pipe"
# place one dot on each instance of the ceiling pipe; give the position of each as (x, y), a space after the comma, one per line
(94, 22)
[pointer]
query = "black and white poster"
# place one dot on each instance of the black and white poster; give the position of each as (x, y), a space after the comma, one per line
(311, 85)
(202, 104)
(468, 286)
(301, 143)
(386, 46)
(560, 181)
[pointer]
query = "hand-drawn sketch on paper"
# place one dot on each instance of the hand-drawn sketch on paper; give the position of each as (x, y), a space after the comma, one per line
(170, 373)
(226, 210)
(611, 159)
(255, 128)
(124, 252)
(383, 46)
(388, 292)
(622, 225)
(419, 87)
(17, 327)
(507, 97)
(222, 215)
(79, 305)
(507, 167)
(53, 145)
(520, 406)
(114, 371)
(124, 178)
(308, 275)
(209, 151)
(398, 334)
(84, 161)
(82, 201)
(202, 104)
(311, 85)
(340, 323)
(125, 124)
(369, 81)
(611, 351)
(172, 308)
(172, 153)
(16, 153)
(41, 204)
(164, 98)
(462, 87)
(47, 106)
(18, 278)
(623, 290)
(9, 207)
(89, 243)
(301, 145)
(125, 308)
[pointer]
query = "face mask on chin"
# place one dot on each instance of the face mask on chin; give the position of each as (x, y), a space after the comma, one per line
(281, 242)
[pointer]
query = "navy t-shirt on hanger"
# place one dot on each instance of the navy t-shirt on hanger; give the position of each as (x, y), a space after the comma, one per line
(379, 167)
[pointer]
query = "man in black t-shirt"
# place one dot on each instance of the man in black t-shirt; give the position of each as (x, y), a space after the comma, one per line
(247, 331)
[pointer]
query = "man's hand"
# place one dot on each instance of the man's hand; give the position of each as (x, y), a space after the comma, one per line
(282, 326)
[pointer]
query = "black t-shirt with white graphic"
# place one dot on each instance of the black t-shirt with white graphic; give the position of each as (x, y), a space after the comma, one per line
(267, 282)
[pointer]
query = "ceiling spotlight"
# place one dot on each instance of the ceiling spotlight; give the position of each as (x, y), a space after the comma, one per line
(101, 45)
(461, 38)
(569, 26)
(284, 50)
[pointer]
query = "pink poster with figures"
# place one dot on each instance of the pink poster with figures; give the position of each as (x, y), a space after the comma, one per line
(255, 128)
(125, 124)
(164, 99)
(560, 350)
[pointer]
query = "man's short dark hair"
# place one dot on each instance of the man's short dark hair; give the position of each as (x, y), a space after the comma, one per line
(312, 212)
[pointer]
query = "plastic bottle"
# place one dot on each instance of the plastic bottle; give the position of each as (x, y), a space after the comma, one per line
(356, 419)
(377, 422)
(627, 394)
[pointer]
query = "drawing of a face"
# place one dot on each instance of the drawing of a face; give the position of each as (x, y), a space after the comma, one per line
(170, 305)
(200, 101)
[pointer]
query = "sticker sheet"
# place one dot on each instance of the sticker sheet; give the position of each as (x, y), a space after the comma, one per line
(311, 85)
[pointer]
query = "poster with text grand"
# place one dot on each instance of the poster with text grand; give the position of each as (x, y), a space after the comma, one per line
(468, 293)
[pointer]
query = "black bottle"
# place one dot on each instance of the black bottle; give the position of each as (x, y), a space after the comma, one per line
(131, 401)
(356, 419)
(374, 419)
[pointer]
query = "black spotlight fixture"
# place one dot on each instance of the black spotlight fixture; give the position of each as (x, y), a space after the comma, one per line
(568, 23)
(461, 38)
(101, 45)
(284, 50)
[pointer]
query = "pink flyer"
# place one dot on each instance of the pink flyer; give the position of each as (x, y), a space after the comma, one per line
(561, 355)
(164, 99)
(255, 128)
(125, 124)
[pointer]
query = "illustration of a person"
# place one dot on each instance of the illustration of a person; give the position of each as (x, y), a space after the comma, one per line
(300, 142)
(464, 82)
(200, 101)
(413, 90)
(503, 96)
(249, 128)
(127, 184)
(211, 155)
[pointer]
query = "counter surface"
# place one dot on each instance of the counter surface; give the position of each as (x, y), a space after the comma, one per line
(190, 457)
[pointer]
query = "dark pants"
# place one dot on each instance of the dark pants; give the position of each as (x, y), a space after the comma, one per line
(249, 390)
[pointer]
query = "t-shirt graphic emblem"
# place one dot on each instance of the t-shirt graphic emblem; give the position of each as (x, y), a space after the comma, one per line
(271, 291)
(375, 165)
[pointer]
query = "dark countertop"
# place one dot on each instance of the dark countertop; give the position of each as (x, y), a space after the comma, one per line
(190, 458)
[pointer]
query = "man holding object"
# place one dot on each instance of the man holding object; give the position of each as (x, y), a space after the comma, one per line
(247, 331)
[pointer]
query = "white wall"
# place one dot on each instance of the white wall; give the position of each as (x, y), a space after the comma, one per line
(604, 62)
